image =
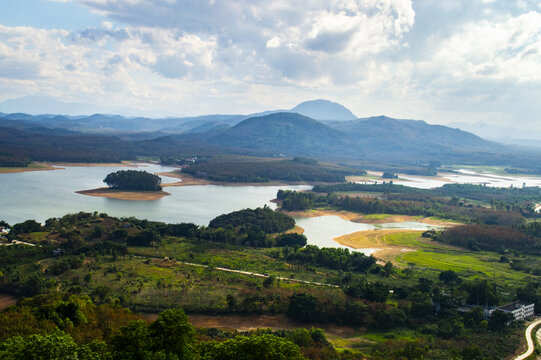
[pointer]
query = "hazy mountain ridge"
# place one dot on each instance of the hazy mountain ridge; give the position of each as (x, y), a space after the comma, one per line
(324, 110)
(273, 133)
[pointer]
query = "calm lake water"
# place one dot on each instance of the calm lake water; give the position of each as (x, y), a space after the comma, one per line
(469, 177)
(41, 195)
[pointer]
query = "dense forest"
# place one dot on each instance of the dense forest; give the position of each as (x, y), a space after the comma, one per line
(468, 191)
(253, 170)
(72, 327)
(133, 180)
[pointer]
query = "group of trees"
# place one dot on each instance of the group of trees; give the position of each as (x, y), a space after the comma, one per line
(133, 180)
(254, 220)
(404, 203)
(70, 327)
(332, 258)
(242, 170)
(484, 237)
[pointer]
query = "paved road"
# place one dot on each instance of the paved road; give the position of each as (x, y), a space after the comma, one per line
(529, 340)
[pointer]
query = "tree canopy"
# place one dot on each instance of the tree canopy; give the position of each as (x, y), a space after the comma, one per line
(133, 180)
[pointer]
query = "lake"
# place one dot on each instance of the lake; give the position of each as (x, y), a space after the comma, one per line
(41, 195)
(464, 176)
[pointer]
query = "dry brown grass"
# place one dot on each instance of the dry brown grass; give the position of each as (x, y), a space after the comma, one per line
(6, 300)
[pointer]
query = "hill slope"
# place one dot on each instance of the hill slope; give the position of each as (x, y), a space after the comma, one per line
(284, 133)
(411, 138)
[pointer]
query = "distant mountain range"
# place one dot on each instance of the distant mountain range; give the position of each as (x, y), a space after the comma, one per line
(339, 136)
(502, 134)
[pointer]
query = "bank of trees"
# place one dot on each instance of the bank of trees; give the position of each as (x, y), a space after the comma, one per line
(58, 327)
(254, 220)
(133, 180)
(483, 237)
(405, 203)
(242, 170)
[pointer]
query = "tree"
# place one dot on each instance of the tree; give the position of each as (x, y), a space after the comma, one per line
(388, 269)
(302, 307)
(26, 227)
(499, 320)
(56, 345)
(449, 277)
(132, 342)
(255, 347)
(133, 180)
(146, 237)
(293, 240)
(172, 333)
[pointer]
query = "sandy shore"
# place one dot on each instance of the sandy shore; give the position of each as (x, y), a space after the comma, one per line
(35, 166)
(32, 167)
(377, 240)
(368, 219)
(124, 195)
(81, 164)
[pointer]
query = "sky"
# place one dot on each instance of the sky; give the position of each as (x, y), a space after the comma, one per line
(443, 61)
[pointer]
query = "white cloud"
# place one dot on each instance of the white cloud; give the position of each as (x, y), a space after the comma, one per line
(428, 59)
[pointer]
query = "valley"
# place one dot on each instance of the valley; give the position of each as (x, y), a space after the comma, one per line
(277, 221)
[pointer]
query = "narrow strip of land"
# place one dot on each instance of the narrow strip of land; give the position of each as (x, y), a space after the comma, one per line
(124, 195)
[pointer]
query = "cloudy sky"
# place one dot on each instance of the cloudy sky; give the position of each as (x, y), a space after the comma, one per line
(438, 60)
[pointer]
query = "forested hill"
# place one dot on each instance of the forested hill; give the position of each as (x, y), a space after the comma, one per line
(20, 146)
(284, 133)
(378, 140)
(394, 138)
(374, 138)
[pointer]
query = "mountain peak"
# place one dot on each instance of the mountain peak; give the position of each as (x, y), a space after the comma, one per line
(324, 110)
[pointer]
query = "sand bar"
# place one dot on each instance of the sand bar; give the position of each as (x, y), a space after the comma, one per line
(369, 219)
(83, 164)
(377, 240)
(124, 195)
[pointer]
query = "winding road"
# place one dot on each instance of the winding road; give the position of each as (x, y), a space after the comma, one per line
(529, 340)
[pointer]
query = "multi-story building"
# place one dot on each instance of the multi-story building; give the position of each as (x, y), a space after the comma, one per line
(521, 310)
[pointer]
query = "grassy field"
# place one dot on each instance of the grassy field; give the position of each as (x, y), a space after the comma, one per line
(408, 248)
(467, 264)
(232, 257)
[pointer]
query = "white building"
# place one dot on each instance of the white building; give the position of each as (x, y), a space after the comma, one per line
(521, 310)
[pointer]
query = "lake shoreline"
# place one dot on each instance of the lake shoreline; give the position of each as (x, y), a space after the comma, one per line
(35, 167)
(367, 219)
(46, 166)
(375, 240)
(124, 195)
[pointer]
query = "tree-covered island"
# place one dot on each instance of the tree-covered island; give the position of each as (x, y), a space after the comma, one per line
(133, 180)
